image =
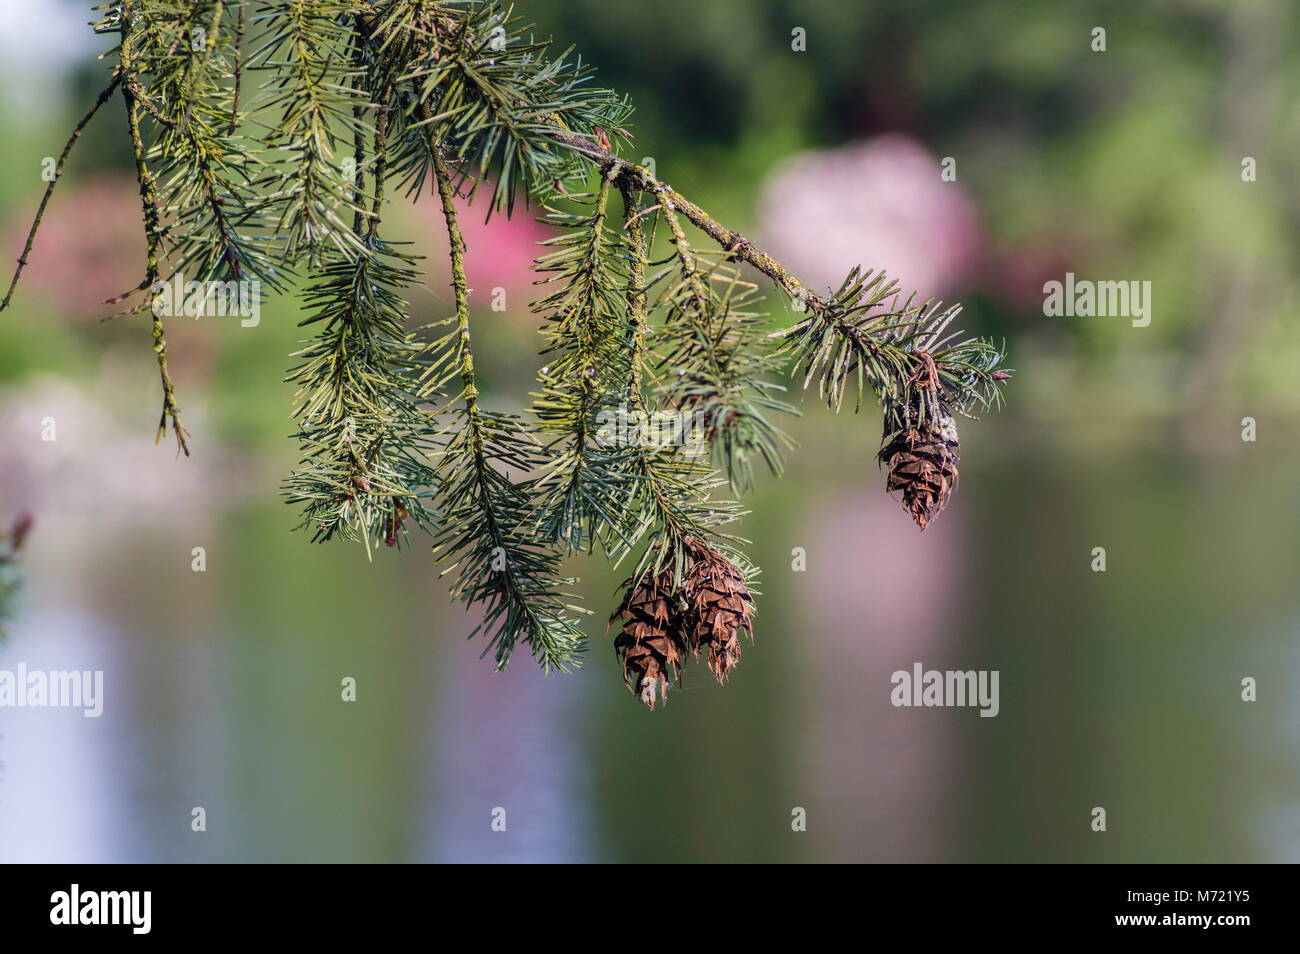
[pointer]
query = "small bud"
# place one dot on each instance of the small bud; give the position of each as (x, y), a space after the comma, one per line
(21, 528)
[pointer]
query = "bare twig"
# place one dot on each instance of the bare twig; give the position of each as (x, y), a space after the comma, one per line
(153, 237)
(49, 190)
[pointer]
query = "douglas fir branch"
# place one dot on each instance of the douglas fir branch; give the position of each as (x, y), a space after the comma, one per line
(269, 136)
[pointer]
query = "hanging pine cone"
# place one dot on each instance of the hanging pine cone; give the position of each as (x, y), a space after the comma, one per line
(651, 644)
(720, 607)
(922, 455)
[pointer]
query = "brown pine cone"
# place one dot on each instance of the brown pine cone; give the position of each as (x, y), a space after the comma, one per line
(650, 644)
(720, 607)
(921, 455)
(922, 463)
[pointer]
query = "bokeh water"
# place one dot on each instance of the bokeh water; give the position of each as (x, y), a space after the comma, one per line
(1119, 689)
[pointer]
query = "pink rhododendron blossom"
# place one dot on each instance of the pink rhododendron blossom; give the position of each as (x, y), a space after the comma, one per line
(498, 254)
(881, 204)
(90, 246)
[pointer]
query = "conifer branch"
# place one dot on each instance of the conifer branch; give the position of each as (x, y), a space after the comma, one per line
(152, 229)
(581, 489)
(493, 94)
(393, 430)
(638, 297)
(882, 344)
(239, 72)
(715, 362)
(218, 223)
(487, 532)
(365, 437)
(311, 90)
(671, 490)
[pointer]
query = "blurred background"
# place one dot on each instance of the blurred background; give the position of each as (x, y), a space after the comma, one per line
(1119, 689)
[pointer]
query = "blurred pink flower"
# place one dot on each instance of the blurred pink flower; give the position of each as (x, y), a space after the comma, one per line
(881, 204)
(498, 254)
(90, 246)
(1021, 273)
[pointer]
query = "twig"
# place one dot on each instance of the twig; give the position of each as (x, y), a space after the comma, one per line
(737, 247)
(456, 242)
(637, 294)
(239, 47)
(49, 190)
(152, 230)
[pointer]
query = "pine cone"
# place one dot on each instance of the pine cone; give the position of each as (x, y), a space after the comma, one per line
(650, 644)
(922, 460)
(720, 607)
(922, 455)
